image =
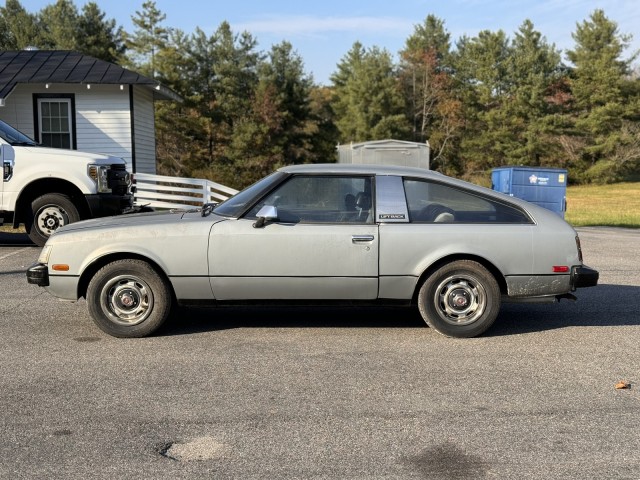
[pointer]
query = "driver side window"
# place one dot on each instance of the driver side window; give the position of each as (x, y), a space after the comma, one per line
(320, 199)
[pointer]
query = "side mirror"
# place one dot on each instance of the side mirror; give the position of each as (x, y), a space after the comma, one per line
(267, 213)
(7, 158)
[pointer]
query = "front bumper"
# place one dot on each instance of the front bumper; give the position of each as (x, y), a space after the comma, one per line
(38, 274)
(583, 276)
(108, 204)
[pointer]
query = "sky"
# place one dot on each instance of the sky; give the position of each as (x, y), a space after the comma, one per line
(322, 32)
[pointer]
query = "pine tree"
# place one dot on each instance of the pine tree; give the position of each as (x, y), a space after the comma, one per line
(275, 133)
(606, 108)
(430, 35)
(533, 68)
(217, 76)
(599, 68)
(97, 36)
(179, 124)
(149, 37)
(60, 22)
(284, 70)
(321, 128)
(59, 26)
(6, 41)
(481, 66)
(426, 74)
(21, 29)
(368, 100)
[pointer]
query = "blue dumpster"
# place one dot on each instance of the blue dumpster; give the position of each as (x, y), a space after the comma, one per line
(546, 187)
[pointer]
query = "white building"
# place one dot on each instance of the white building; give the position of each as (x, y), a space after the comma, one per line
(69, 100)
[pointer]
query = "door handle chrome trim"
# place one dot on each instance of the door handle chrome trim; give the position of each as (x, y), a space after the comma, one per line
(362, 238)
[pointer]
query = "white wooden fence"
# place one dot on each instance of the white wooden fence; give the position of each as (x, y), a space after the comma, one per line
(159, 191)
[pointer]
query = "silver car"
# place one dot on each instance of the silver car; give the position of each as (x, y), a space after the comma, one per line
(314, 233)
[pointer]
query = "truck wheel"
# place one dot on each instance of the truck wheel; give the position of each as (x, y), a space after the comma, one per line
(461, 299)
(128, 298)
(48, 213)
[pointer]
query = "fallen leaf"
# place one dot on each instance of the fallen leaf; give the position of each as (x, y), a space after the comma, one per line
(622, 384)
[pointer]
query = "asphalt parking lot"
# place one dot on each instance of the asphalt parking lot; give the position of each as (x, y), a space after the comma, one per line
(250, 392)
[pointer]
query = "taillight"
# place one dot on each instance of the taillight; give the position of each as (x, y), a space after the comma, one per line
(579, 248)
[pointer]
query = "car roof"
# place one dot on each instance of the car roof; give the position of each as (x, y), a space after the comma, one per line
(361, 169)
(347, 168)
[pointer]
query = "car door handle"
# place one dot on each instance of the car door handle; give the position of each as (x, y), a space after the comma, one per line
(362, 238)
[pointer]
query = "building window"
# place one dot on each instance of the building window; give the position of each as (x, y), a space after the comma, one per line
(55, 120)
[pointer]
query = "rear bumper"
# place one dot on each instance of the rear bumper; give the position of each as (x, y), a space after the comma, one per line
(583, 276)
(38, 274)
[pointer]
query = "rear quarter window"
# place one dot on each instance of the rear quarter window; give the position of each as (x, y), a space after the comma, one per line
(432, 202)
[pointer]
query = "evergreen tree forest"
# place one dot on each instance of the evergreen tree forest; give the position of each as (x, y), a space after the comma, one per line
(486, 101)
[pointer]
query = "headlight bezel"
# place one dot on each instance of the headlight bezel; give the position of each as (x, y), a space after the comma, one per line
(100, 176)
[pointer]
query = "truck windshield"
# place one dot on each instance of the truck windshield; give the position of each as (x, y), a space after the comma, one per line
(14, 137)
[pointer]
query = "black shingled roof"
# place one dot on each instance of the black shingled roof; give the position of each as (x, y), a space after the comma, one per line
(58, 66)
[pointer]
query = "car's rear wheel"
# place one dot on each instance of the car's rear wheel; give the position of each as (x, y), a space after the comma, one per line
(128, 298)
(461, 299)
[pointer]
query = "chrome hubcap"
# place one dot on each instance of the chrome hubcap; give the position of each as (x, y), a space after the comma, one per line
(460, 299)
(127, 300)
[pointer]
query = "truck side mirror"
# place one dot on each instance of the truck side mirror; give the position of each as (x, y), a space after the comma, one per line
(7, 156)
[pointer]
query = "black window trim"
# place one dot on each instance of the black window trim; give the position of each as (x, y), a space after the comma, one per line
(488, 198)
(289, 176)
(72, 114)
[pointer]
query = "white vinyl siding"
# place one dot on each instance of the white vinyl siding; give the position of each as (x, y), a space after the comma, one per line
(102, 119)
(18, 110)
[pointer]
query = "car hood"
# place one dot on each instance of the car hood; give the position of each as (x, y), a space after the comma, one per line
(31, 152)
(138, 220)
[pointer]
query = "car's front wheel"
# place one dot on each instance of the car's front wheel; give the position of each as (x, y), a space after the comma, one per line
(129, 298)
(461, 299)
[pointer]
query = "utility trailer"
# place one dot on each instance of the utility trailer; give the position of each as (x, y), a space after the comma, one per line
(386, 152)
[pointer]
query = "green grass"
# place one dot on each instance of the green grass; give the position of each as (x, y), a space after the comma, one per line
(616, 205)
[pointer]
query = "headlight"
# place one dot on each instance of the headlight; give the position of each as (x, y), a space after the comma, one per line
(44, 254)
(98, 174)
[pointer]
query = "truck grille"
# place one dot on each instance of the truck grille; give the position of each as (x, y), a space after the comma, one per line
(118, 179)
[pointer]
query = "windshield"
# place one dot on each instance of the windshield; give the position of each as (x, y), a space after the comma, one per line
(13, 136)
(236, 205)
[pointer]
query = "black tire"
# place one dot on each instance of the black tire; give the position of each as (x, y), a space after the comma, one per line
(129, 299)
(48, 213)
(461, 299)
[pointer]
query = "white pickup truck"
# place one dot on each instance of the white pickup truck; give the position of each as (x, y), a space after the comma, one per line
(46, 188)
